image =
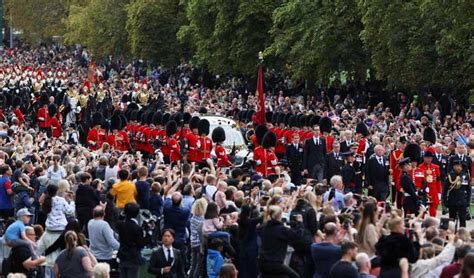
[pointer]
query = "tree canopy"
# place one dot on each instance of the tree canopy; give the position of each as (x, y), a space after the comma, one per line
(414, 46)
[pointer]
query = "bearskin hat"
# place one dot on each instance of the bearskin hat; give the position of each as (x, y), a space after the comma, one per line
(325, 124)
(157, 116)
(97, 119)
(133, 106)
(144, 117)
(115, 122)
(218, 135)
(149, 117)
(293, 121)
(165, 119)
(249, 115)
(171, 128)
(133, 115)
(177, 117)
(429, 135)
(16, 101)
(203, 110)
(275, 118)
(203, 127)
(281, 118)
(52, 110)
(260, 131)
(269, 140)
(412, 151)
(301, 120)
(194, 122)
(239, 116)
(287, 119)
(268, 116)
(186, 117)
(123, 121)
(362, 129)
(314, 120)
(44, 100)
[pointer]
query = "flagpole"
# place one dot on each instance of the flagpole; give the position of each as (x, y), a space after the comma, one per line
(260, 91)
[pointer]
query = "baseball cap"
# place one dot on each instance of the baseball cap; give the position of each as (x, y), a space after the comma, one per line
(23, 212)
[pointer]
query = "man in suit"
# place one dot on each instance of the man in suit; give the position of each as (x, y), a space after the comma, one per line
(294, 156)
(334, 162)
(377, 174)
(166, 261)
(314, 155)
(441, 159)
(347, 141)
(461, 155)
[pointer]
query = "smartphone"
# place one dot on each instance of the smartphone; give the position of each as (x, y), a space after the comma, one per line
(388, 208)
(381, 204)
(444, 223)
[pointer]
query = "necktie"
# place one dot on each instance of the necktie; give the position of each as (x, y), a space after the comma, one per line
(296, 146)
(380, 161)
(169, 256)
(462, 157)
(439, 157)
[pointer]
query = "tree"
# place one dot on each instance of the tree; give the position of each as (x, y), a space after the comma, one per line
(152, 26)
(227, 35)
(99, 25)
(319, 39)
(40, 19)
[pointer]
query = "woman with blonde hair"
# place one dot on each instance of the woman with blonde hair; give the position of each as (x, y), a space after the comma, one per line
(74, 261)
(101, 270)
(63, 187)
(198, 210)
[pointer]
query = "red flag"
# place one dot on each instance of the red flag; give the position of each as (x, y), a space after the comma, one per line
(260, 114)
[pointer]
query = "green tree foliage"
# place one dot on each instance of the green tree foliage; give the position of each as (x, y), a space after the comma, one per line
(319, 38)
(38, 19)
(152, 26)
(100, 25)
(227, 35)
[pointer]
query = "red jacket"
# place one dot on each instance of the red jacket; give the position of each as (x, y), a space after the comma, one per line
(19, 115)
(265, 160)
(95, 138)
(395, 157)
(56, 127)
(222, 157)
(45, 121)
(204, 146)
(192, 140)
(175, 150)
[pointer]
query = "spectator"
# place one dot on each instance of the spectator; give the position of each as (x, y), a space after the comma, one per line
(56, 172)
(124, 191)
(326, 253)
(156, 202)
(248, 221)
(344, 267)
(101, 270)
(454, 269)
(336, 194)
(15, 235)
(467, 269)
(214, 260)
(198, 210)
(368, 233)
(228, 270)
(101, 238)
(75, 261)
(6, 206)
(176, 218)
(86, 199)
(143, 188)
(131, 241)
(23, 260)
(363, 264)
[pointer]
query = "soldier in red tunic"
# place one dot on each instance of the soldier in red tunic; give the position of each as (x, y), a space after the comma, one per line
(218, 136)
(432, 180)
(97, 135)
(395, 157)
(204, 144)
(56, 128)
(325, 124)
(191, 139)
(43, 116)
(265, 158)
(172, 143)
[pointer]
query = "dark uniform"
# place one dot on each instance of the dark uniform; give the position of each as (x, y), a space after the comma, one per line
(411, 202)
(334, 163)
(294, 156)
(442, 161)
(457, 193)
(378, 176)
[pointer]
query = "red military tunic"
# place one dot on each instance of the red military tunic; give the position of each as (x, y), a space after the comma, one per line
(95, 138)
(204, 146)
(56, 128)
(192, 140)
(43, 118)
(432, 177)
(122, 141)
(175, 150)
(265, 160)
(19, 115)
(280, 147)
(222, 157)
(329, 142)
(395, 157)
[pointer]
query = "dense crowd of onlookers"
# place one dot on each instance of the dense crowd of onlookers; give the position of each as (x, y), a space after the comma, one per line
(321, 196)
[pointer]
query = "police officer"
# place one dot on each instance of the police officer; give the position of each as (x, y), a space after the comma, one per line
(411, 203)
(457, 192)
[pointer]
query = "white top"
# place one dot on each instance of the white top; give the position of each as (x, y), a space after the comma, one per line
(56, 220)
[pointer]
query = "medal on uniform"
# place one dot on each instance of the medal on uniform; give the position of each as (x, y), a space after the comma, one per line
(429, 177)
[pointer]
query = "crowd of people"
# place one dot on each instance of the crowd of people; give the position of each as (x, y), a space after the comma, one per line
(112, 170)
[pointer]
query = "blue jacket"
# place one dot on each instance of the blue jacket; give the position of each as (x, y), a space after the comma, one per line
(214, 263)
(176, 218)
(5, 200)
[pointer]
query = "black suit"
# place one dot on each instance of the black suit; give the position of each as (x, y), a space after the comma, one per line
(377, 175)
(158, 262)
(314, 158)
(345, 147)
(334, 164)
(411, 202)
(131, 243)
(294, 155)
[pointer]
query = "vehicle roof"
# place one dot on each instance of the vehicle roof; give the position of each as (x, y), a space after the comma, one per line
(219, 120)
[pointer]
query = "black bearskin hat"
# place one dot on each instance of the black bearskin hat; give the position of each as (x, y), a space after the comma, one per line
(52, 110)
(157, 116)
(133, 115)
(165, 118)
(281, 118)
(149, 117)
(314, 120)
(249, 115)
(203, 110)
(362, 129)
(293, 121)
(269, 140)
(429, 135)
(275, 118)
(260, 132)
(97, 119)
(268, 116)
(44, 100)
(301, 120)
(115, 122)
(203, 127)
(133, 106)
(325, 124)
(186, 117)
(194, 122)
(171, 128)
(218, 135)
(123, 121)
(413, 151)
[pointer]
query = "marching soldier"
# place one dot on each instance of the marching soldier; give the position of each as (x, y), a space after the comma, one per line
(218, 136)
(171, 142)
(325, 124)
(97, 135)
(56, 128)
(265, 157)
(395, 157)
(429, 136)
(458, 192)
(204, 144)
(411, 203)
(432, 181)
(192, 139)
(43, 116)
